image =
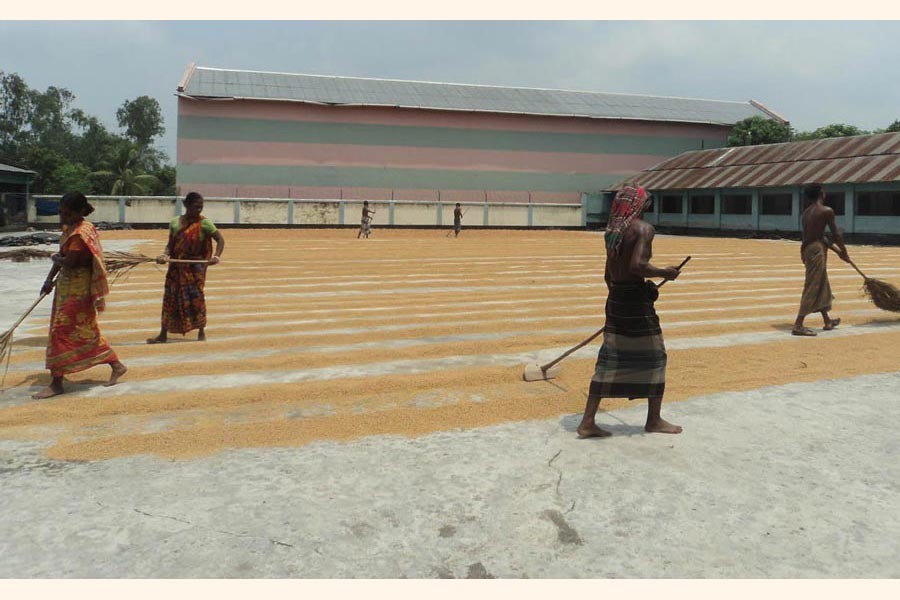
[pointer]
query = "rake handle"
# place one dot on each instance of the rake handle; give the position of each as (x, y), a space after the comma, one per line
(601, 330)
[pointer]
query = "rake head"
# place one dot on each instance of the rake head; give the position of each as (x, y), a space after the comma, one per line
(536, 372)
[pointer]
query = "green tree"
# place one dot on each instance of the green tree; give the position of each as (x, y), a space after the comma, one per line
(70, 177)
(125, 174)
(51, 120)
(71, 150)
(141, 119)
(166, 176)
(830, 131)
(895, 126)
(16, 108)
(95, 145)
(759, 130)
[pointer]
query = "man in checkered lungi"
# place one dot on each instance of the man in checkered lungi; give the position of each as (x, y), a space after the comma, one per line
(632, 361)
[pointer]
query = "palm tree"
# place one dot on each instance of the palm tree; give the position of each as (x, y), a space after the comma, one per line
(125, 171)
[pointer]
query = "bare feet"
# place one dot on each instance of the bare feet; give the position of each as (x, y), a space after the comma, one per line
(804, 331)
(589, 431)
(160, 339)
(49, 391)
(118, 369)
(832, 324)
(661, 426)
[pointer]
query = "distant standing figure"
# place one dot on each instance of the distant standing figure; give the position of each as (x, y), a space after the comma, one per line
(457, 220)
(365, 225)
(184, 303)
(817, 294)
(632, 361)
(75, 342)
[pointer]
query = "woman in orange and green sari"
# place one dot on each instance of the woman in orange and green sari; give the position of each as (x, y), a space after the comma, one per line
(190, 238)
(75, 342)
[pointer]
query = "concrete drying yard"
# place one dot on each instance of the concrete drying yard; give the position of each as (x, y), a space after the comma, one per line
(358, 411)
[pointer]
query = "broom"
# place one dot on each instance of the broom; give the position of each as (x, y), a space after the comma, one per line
(119, 264)
(538, 372)
(6, 338)
(882, 294)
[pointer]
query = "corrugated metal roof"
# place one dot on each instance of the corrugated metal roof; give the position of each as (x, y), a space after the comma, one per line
(205, 82)
(12, 169)
(857, 159)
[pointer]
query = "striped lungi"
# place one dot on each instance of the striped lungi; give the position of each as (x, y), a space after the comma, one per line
(817, 294)
(632, 360)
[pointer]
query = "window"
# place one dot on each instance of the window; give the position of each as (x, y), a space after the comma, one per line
(737, 204)
(878, 204)
(776, 204)
(672, 204)
(835, 200)
(703, 204)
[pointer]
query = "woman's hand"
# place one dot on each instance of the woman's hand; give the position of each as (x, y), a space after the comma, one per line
(215, 260)
(47, 288)
(162, 259)
(57, 258)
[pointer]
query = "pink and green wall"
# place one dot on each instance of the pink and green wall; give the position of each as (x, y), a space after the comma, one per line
(255, 149)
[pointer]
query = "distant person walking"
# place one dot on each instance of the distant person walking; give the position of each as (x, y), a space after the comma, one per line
(817, 294)
(75, 342)
(365, 225)
(457, 220)
(184, 302)
(632, 361)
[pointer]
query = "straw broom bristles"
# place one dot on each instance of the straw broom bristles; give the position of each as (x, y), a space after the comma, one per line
(119, 264)
(6, 340)
(882, 294)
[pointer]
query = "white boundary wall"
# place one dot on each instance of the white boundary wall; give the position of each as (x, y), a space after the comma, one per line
(159, 210)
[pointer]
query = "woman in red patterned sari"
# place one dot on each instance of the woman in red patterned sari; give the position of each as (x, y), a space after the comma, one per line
(75, 342)
(190, 238)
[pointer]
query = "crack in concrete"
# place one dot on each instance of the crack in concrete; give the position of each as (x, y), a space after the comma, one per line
(222, 531)
(559, 480)
(146, 514)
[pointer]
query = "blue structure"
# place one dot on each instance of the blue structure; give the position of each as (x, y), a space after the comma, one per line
(759, 188)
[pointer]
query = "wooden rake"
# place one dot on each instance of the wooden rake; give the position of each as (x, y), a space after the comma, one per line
(539, 372)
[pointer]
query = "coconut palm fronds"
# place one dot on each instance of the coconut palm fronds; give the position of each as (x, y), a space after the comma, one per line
(6, 340)
(24, 254)
(882, 294)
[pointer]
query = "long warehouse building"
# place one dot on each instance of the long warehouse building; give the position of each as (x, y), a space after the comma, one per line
(248, 134)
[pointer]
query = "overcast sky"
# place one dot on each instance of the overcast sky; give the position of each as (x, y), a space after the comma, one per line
(812, 73)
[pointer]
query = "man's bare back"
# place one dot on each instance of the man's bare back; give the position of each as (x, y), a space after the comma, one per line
(814, 220)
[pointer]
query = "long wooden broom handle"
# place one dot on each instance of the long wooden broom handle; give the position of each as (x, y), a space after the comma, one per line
(602, 329)
(849, 260)
(188, 261)
(28, 312)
